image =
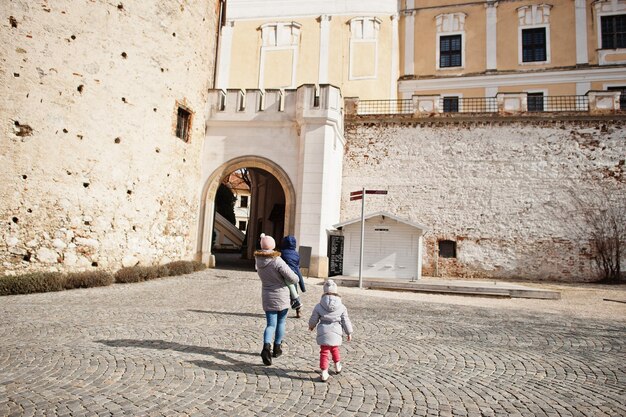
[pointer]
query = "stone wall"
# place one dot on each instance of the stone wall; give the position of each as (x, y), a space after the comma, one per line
(92, 172)
(505, 190)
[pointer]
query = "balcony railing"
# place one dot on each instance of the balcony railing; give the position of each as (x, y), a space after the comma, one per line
(386, 106)
(562, 103)
(506, 103)
(468, 104)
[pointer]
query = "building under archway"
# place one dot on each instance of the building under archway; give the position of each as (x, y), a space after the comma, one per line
(265, 203)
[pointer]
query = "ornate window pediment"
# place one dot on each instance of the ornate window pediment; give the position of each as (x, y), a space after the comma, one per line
(281, 34)
(364, 28)
(537, 14)
(450, 22)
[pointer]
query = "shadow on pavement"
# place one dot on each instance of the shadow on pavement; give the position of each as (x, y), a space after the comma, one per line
(233, 262)
(255, 369)
(221, 355)
(163, 345)
(230, 313)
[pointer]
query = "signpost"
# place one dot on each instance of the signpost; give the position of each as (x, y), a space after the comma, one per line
(360, 195)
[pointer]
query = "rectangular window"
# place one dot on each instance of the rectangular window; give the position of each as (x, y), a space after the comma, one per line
(242, 225)
(183, 122)
(622, 97)
(450, 51)
(244, 201)
(614, 31)
(534, 45)
(450, 104)
(447, 249)
(535, 101)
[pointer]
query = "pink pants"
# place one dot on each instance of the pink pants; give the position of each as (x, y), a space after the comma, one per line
(324, 351)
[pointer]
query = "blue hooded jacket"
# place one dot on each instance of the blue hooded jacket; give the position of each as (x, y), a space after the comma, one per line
(291, 257)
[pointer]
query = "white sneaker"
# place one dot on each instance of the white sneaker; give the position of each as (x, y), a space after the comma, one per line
(338, 367)
(325, 375)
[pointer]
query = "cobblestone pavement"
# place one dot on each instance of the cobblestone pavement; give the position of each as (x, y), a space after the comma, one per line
(190, 346)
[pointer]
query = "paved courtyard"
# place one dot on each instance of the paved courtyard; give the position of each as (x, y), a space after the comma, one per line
(190, 346)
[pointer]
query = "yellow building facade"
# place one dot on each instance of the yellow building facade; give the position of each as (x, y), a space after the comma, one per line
(454, 48)
(279, 45)
(481, 48)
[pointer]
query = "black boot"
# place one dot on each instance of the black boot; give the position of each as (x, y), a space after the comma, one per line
(277, 350)
(266, 353)
(296, 303)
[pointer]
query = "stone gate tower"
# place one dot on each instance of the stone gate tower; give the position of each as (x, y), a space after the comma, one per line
(292, 136)
(102, 107)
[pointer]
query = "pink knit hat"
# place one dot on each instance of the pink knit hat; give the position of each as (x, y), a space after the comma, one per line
(267, 242)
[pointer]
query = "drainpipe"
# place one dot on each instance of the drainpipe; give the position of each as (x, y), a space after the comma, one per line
(221, 21)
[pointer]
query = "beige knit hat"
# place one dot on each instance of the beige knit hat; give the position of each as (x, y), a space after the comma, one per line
(330, 287)
(267, 242)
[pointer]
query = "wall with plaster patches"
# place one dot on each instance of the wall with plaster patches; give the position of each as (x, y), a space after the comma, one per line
(501, 190)
(92, 173)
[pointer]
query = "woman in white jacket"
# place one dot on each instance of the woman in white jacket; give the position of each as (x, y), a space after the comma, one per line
(331, 318)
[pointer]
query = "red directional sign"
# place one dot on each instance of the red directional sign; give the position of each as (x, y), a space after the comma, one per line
(358, 195)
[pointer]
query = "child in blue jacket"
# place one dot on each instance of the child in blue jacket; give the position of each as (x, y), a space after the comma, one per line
(292, 259)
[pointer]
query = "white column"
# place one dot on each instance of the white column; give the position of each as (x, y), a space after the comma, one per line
(582, 56)
(320, 165)
(491, 47)
(491, 91)
(395, 58)
(224, 55)
(420, 245)
(409, 39)
(322, 77)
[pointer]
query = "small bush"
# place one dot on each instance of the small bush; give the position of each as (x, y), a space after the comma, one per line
(88, 279)
(140, 273)
(198, 266)
(32, 283)
(180, 268)
(184, 267)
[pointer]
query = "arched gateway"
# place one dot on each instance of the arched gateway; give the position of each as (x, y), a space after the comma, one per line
(293, 136)
(210, 189)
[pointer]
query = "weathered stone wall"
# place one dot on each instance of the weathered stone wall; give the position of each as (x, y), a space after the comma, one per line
(501, 189)
(92, 173)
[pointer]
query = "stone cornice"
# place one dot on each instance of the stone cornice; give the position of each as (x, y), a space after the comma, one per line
(263, 9)
(479, 119)
(514, 79)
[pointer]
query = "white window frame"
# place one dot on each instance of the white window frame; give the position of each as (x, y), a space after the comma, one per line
(457, 21)
(544, 99)
(520, 46)
(605, 86)
(438, 51)
(457, 95)
(603, 9)
(375, 22)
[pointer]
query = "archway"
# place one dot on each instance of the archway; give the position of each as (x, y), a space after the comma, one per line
(269, 217)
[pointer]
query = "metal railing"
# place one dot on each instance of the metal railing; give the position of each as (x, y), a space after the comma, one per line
(468, 104)
(404, 106)
(453, 104)
(562, 103)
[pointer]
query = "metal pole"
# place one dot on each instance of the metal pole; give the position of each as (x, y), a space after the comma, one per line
(362, 236)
